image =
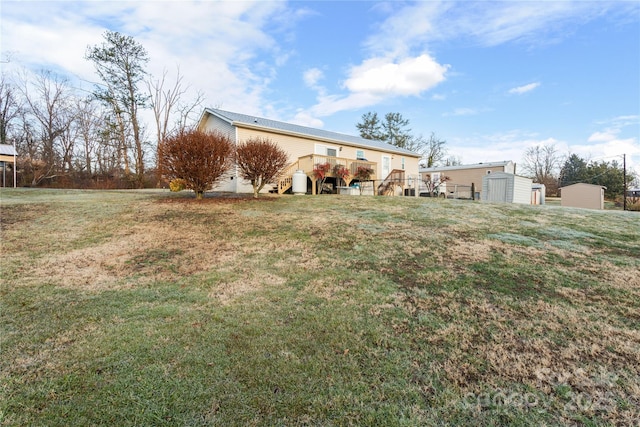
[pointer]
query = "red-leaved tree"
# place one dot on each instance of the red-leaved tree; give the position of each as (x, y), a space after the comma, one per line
(260, 161)
(199, 158)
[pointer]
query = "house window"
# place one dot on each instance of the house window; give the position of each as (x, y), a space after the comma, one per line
(324, 150)
(360, 155)
(402, 160)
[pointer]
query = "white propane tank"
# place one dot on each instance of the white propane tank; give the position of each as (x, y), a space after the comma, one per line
(299, 184)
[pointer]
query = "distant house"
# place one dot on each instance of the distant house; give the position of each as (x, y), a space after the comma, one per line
(465, 175)
(308, 147)
(581, 195)
(502, 187)
(7, 155)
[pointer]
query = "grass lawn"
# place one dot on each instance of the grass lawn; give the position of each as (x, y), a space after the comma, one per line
(152, 308)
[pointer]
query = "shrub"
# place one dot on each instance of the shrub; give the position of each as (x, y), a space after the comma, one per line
(363, 173)
(199, 158)
(341, 172)
(260, 161)
(177, 184)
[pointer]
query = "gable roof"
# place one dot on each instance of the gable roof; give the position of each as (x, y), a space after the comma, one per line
(471, 166)
(244, 120)
(584, 184)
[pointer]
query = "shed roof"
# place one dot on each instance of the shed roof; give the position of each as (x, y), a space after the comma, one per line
(584, 184)
(7, 150)
(469, 166)
(238, 119)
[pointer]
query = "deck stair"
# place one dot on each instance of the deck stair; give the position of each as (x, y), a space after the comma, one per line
(394, 180)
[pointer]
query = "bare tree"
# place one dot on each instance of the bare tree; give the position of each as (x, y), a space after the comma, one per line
(433, 150)
(260, 161)
(170, 113)
(9, 107)
(199, 158)
(542, 163)
(89, 120)
(49, 103)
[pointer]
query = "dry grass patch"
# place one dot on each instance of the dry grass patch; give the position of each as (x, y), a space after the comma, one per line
(145, 308)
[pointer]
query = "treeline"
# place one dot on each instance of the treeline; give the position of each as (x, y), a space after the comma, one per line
(68, 137)
(547, 166)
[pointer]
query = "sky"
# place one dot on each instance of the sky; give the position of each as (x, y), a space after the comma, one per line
(491, 78)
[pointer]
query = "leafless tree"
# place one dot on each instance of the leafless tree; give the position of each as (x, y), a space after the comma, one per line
(171, 114)
(542, 163)
(48, 99)
(89, 119)
(9, 107)
(433, 150)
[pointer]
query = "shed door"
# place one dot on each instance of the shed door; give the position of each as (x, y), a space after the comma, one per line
(497, 190)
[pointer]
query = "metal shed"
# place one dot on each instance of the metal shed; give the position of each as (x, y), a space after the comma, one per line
(502, 187)
(582, 195)
(538, 194)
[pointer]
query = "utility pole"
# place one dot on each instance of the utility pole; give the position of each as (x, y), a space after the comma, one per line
(624, 182)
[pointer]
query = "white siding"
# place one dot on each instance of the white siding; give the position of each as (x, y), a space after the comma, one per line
(521, 190)
(501, 187)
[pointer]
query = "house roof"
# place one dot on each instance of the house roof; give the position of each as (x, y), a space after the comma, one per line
(470, 166)
(245, 120)
(7, 150)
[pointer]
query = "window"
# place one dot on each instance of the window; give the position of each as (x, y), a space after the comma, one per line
(402, 160)
(323, 150)
(360, 155)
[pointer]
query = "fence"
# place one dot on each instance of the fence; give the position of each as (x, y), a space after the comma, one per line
(410, 187)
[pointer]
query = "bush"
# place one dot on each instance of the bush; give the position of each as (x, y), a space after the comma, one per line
(177, 184)
(260, 161)
(199, 158)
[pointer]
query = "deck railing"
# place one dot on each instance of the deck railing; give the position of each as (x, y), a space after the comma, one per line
(308, 163)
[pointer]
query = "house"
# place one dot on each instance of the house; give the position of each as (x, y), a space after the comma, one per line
(454, 177)
(308, 147)
(582, 195)
(8, 155)
(503, 187)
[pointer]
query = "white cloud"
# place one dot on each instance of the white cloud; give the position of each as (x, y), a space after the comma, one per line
(312, 76)
(602, 136)
(377, 79)
(524, 89)
(216, 44)
(421, 23)
(462, 112)
(303, 118)
(438, 97)
(388, 78)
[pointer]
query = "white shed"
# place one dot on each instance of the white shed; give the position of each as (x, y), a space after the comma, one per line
(538, 194)
(503, 187)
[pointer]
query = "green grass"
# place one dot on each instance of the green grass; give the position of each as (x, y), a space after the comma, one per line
(151, 308)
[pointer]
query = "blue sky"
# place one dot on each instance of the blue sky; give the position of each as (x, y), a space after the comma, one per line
(491, 78)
